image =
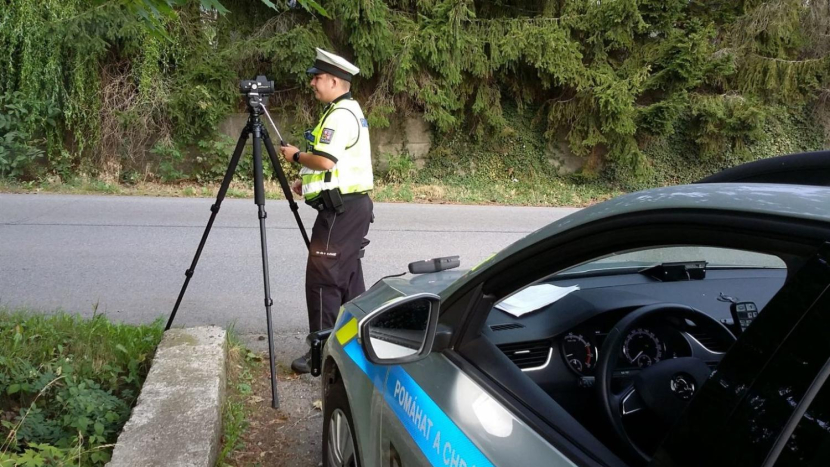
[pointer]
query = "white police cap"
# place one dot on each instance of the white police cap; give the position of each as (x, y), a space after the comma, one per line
(332, 64)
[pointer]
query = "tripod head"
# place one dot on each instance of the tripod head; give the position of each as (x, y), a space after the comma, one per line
(256, 91)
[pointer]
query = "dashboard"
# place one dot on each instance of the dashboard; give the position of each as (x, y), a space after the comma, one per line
(559, 345)
(642, 347)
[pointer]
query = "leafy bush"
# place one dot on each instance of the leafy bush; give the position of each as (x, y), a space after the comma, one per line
(16, 156)
(170, 161)
(400, 168)
(678, 158)
(18, 148)
(67, 386)
(726, 123)
(213, 157)
(609, 77)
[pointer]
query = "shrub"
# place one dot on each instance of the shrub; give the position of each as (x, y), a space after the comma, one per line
(67, 386)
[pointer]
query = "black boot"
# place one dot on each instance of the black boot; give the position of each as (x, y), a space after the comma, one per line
(302, 364)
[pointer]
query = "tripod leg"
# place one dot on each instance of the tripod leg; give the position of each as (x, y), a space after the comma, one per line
(259, 199)
(275, 161)
(214, 209)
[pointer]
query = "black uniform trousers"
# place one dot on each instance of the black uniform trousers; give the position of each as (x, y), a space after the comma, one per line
(334, 274)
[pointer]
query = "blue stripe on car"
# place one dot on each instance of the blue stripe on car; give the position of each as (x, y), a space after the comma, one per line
(438, 437)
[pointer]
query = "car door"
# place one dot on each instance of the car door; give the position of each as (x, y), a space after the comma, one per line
(441, 393)
(768, 402)
(437, 415)
(486, 364)
(434, 414)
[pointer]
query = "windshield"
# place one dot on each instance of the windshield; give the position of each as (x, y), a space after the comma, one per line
(715, 257)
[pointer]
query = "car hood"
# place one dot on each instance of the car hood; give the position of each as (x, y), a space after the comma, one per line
(391, 288)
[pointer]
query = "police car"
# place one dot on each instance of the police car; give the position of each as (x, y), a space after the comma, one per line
(679, 326)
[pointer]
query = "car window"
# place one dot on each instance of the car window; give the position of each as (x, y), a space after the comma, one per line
(714, 257)
(538, 295)
(658, 323)
(809, 444)
(554, 329)
(762, 382)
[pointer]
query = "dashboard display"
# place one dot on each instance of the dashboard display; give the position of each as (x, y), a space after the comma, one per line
(642, 348)
(579, 354)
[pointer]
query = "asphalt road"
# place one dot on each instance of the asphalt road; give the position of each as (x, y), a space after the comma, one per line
(127, 255)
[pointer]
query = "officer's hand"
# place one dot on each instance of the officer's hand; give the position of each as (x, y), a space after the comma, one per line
(288, 152)
(297, 187)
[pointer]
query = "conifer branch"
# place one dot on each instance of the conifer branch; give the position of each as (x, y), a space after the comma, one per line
(794, 62)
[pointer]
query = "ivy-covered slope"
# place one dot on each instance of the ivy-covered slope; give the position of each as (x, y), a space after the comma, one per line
(88, 88)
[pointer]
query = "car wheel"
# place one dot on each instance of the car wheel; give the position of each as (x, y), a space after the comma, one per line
(339, 443)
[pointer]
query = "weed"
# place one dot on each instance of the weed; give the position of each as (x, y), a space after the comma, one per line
(241, 365)
(68, 385)
(236, 193)
(400, 168)
(170, 160)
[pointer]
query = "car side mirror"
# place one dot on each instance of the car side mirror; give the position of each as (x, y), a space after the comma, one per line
(400, 331)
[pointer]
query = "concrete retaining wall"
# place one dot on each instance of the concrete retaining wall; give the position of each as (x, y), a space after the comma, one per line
(413, 135)
(178, 418)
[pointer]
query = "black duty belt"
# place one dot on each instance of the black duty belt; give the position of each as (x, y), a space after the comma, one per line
(333, 200)
(351, 196)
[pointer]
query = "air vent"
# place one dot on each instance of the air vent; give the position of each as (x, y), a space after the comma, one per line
(707, 341)
(527, 355)
(505, 327)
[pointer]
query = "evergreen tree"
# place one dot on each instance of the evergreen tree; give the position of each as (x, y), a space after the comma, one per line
(607, 76)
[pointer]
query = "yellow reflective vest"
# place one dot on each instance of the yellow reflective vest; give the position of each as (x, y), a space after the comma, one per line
(342, 135)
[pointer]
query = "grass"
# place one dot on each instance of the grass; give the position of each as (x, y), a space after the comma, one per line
(511, 167)
(90, 343)
(550, 193)
(242, 365)
(67, 385)
(46, 360)
(554, 192)
(183, 190)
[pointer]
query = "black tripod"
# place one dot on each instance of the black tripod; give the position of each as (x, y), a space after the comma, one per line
(257, 92)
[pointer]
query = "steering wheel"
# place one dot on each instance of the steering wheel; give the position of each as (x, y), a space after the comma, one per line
(664, 388)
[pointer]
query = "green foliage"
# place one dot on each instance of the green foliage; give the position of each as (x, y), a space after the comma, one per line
(170, 160)
(400, 168)
(130, 78)
(18, 146)
(721, 123)
(517, 155)
(68, 385)
(242, 365)
(677, 159)
(661, 118)
(212, 159)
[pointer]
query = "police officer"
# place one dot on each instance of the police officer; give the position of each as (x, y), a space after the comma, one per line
(336, 178)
